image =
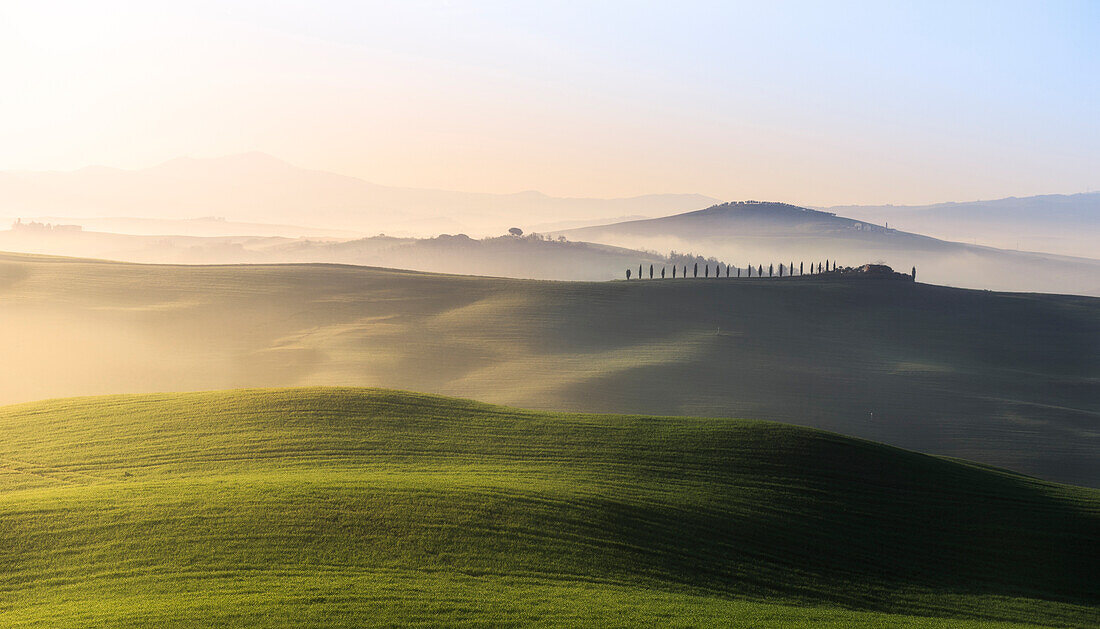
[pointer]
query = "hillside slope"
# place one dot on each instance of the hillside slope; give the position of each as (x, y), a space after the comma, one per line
(754, 233)
(1006, 379)
(345, 507)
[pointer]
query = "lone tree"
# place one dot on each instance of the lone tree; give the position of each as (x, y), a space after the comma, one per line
(651, 271)
(515, 231)
(695, 272)
(628, 274)
(914, 274)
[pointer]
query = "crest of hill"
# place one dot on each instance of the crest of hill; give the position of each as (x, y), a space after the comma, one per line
(748, 218)
(761, 209)
(352, 507)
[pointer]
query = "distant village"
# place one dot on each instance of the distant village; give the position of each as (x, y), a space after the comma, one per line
(32, 226)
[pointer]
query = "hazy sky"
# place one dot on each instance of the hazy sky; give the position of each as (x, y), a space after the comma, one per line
(815, 103)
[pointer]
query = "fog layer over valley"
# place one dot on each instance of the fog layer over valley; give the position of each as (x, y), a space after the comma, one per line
(740, 234)
(1009, 380)
(531, 256)
(262, 210)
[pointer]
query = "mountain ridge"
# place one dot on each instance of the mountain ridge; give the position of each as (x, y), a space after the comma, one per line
(1068, 224)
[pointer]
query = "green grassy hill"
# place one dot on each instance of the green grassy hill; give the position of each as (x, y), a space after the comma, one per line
(1011, 380)
(345, 507)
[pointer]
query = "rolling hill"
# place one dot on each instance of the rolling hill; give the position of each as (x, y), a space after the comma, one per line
(529, 257)
(756, 232)
(1011, 380)
(350, 507)
(260, 188)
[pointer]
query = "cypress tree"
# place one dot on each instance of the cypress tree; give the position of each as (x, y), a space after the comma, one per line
(662, 273)
(771, 270)
(914, 274)
(695, 273)
(673, 271)
(760, 271)
(727, 270)
(639, 271)
(800, 272)
(651, 271)
(738, 271)
(628, 274)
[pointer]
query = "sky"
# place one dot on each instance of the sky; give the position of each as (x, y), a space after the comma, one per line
(806, 102)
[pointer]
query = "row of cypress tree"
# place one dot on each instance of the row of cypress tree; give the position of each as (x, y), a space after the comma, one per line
(732, 271)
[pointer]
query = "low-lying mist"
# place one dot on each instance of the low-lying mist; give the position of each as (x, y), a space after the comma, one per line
(1003, 379)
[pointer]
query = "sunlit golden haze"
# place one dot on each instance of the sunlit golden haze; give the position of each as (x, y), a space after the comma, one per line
(809, 105)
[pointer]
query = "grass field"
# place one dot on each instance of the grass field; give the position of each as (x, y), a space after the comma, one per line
(346, 507)
(1011, 380)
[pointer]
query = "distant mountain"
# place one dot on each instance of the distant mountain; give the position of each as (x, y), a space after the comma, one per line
(766, 232)
(255, 187)
(1066, 224)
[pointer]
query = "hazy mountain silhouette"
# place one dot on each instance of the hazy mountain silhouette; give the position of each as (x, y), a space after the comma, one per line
(259, 188)
(1066, 224)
